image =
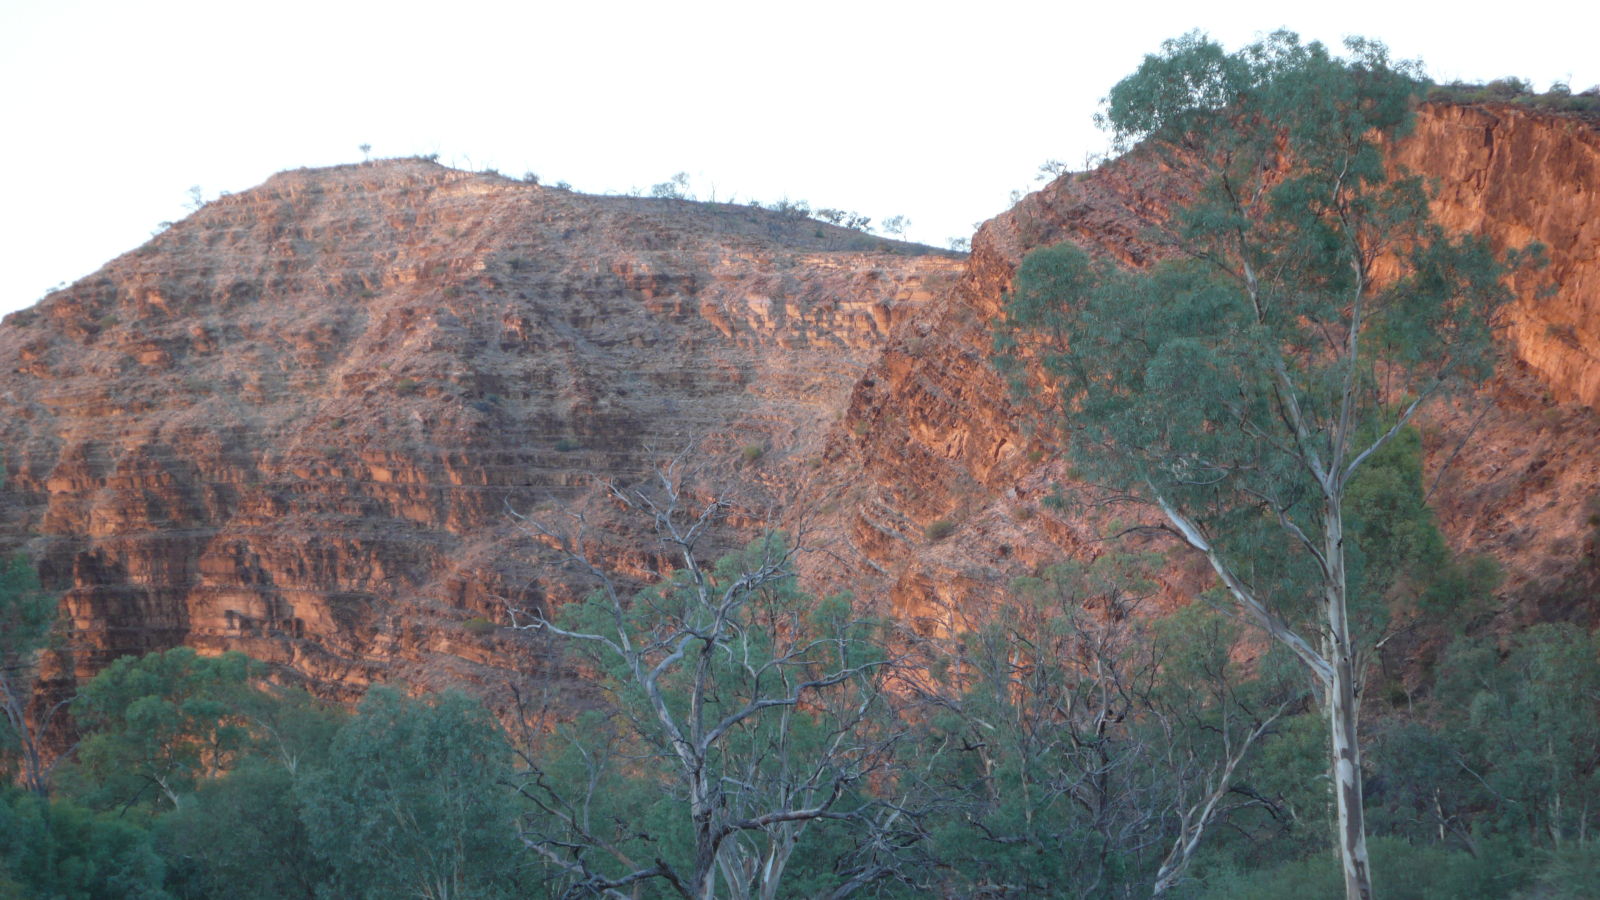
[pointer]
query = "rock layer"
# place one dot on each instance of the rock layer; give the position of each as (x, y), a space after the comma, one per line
(293, 423)
(931, 435)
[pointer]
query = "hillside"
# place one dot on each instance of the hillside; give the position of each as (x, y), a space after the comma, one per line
(931, 433)
(293, 423)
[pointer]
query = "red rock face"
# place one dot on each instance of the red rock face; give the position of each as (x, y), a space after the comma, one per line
(930, 433)
(291, 424)
(1521, 176)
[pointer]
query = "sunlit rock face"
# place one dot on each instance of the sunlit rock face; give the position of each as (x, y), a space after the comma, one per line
(294, 423)
(1520, 177)
(930, 433)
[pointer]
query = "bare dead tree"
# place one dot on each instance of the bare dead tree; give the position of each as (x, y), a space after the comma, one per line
(29, 728)
(1206, 723)
(1091, 746)
(753, 711)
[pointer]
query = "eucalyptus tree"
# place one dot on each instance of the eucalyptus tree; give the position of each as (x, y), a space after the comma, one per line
(1305, 309)
(159, 725)
(414, 802)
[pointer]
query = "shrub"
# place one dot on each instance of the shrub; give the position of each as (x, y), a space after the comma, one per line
(1507, 88)
(477, 625)
(406, 386)
(567, 445)
(752, 453)
(939, 529)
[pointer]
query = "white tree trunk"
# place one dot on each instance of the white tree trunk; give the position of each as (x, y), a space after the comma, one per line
(1344, 713)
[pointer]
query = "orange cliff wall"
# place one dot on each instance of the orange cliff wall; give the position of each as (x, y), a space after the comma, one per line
(931, 434)
(1521, 176)
(292, 424)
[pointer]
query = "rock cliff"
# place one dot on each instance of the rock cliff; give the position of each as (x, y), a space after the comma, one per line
(930, 434)
(292, 423)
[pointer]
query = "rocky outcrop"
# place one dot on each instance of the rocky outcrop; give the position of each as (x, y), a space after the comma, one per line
(930, 434)
(1521, 176)
(293, 423)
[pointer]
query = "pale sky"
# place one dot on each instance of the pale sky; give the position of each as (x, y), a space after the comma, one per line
(935, 111)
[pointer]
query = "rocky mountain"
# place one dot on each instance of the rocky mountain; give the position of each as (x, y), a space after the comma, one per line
(293, 423)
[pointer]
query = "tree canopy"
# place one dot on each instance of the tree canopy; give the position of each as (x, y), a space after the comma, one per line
(1304, 308)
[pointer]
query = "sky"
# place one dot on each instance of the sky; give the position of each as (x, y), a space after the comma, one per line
(930, 110)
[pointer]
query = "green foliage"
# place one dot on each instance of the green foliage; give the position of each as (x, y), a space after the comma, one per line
(674, 188)
(1384, 507)
(414, 801)
(185, 746)
(1459, 590)
(1569, 873)
(1183, 366)
(1021, 768)
(1559, 98)
(61, 850)
(1291, 773)
(1527, 731)
(1074, 732)
(939, 529)
(1397, 552)
(752, 453)
(242, 836)
(844, 219)
(222, 787)
(26, 616)
(1502, 766)
(1406, 871)
(1247, 381)
(567, 445)
(158, 725)
(26, 613)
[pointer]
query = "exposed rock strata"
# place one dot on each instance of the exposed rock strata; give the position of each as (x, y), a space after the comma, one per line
(930, 433)
(1520, 176)
(291, 424)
